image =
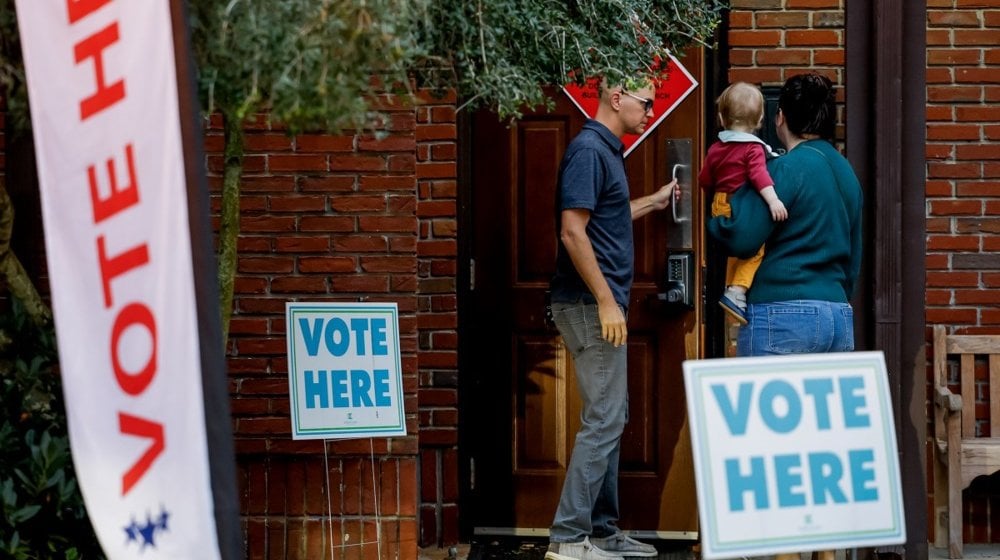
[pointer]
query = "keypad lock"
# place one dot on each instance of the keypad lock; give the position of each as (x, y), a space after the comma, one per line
(680, 280)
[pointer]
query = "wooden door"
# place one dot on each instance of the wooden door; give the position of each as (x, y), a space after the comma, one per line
(521, 407)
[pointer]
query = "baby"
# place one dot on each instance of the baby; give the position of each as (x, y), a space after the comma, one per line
(739, 157)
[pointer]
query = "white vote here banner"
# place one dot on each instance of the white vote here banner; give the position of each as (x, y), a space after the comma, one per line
(794, 453)
(103, 86)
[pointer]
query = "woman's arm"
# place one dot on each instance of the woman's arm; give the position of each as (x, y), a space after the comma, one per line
(748, 228)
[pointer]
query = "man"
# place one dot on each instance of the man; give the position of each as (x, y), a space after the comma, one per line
(590, 288)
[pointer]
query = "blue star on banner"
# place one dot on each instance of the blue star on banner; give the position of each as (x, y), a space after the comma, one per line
(144, 534)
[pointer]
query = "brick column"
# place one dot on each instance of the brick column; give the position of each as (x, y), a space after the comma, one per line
(437, 251)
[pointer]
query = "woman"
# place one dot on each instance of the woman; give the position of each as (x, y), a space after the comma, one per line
(799, 301)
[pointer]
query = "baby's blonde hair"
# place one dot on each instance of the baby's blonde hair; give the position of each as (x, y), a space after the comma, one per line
(741, 104)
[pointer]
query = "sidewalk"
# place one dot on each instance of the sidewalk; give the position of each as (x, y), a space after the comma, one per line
(462, 551)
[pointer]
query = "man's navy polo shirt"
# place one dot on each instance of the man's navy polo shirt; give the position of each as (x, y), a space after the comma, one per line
(592, 177)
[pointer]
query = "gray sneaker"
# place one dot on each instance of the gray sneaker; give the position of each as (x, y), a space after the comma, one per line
(625, 545)
(584, 550)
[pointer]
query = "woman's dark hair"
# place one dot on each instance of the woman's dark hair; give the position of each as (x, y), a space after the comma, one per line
(808, 103)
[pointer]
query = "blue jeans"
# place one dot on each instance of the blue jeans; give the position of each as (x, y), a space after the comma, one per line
(589, 501)
(796, 327)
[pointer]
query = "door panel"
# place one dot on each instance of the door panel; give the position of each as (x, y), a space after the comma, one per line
(525, 409)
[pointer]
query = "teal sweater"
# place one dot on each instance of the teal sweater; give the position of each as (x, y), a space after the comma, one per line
(814, 254)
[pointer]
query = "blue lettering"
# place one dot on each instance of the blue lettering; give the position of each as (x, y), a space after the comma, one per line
(337, 326)
(772, 391)
(820, 390)
(311, 336)
(382, 388)
(339, 380)
(755, 482)
(862, 473)
(316, 388)
(361, 384)
(825, 472)
(735, 419)
(852, 399)
(360, 327)
(788, 481)
(379, 347)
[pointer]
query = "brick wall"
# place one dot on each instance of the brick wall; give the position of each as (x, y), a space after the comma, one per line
(771, 40)
(437, 320)
(963, 197)
(323, 218)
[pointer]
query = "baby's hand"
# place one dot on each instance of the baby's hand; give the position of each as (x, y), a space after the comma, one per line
(778, 212)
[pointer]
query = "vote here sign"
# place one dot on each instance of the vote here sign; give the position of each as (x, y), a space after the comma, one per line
(344, 374)
(794, 453)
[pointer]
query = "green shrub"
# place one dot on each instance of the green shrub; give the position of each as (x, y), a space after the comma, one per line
(43, 517)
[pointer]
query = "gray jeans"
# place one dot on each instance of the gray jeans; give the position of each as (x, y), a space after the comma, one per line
(589, 501)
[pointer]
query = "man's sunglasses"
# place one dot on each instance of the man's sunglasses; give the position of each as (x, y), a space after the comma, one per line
(647, 103)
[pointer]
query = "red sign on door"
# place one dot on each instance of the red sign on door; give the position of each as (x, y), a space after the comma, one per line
(675, 84)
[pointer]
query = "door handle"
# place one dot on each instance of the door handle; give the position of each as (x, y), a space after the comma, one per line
(676, 201)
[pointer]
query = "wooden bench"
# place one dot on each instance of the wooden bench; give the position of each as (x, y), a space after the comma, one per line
(960, 456)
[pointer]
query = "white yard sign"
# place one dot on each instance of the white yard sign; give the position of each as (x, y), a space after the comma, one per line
(794, 453)
(344, 373)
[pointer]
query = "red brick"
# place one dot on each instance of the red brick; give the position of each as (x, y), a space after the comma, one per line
(741, 57)
(303, 285)
(295, 162)
(389, 144)
(769, 57)
(330, 183)
(297, 204)
(360, 284)
(250, 224)
(301, 244)
(740, 20)
(952, 316)
(357, 204)
(359, 243)
(952, 279)
(991, 56)
(939, 75)
(437, 170)
(784, 19)
(813, 37)
(952, 57)
(978, 188)
(951, 93)
(951, 243)
(328, 265)
(959, 18)
(382, 183)
(986, 37)
(991, 132)
(436, 132)
(978, 114)
(940, 113)
(955, 207)
(755, 38)
(978, 152)
(327, 223)
(388, 264)
(977, 3)
(268, 143)
(939, 188)
(938, 37)
(939, 170)
(357, 163)
(271, 265)
(813, 4)
(832, 57)
(756, 75)
(953, 132)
